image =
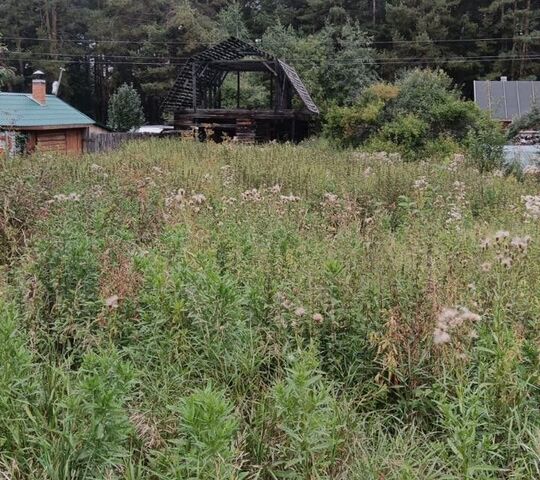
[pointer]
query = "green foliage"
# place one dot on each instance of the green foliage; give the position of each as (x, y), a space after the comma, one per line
(285, 324)
(529, 121)
(6, 73)
(336, 63)
(485, 143)
(411, 116)
(95, 427)
(125, 110)
(205, 449)
(308, 421)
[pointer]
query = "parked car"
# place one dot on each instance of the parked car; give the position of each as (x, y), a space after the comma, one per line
(157, 129)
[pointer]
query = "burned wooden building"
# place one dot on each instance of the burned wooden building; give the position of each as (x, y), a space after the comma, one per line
(197, 102)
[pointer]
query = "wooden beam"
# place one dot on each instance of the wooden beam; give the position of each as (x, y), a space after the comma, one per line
(194, 85)
(237, 89)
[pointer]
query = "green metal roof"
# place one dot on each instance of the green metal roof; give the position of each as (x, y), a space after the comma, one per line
(20, 110)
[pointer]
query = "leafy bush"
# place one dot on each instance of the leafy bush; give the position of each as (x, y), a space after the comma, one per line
(205, 449)
(307, 420)
(529, 121)
(485, 143)
(408, 117)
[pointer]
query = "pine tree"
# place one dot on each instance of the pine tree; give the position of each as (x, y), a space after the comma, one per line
(125, 109)
(6, 73)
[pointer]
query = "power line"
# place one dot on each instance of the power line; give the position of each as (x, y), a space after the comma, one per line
(417, 61)
(141, 58)
(375, 42)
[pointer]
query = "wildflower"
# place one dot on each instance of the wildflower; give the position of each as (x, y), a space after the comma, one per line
(252, 195)
(468, 316)
(330, 199)
(454, 215)
(501, 235)
(72, 197)
(300, 312)
(450, 319)
(95, 167)
(289, 198)
(112, 302)
(421, 184)
(485, 243)
(441, 337)
(473, 334)
(275, 189)
(506, 261)
(456, 162)
(486, 267)
(532, 206)
(521, 244)
(317, 318)
(198, 199)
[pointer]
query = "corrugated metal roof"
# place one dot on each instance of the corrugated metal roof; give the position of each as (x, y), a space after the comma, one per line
(20, 110)
(507, 100)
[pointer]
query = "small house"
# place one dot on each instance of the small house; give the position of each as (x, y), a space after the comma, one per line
(506, 100)
(196, 99)
(40, 122)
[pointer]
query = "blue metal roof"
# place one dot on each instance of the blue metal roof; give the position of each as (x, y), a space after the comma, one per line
(21, 110)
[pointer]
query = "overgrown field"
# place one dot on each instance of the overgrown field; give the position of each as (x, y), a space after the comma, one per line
(189, 311)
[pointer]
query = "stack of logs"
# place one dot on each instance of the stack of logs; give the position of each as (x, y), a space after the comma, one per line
(245, 130)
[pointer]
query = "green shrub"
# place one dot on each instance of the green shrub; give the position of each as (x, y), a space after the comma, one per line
(485, 143)
(18, 390)
(205, 447)
(529, 121)
(409, 117)
(92, 428)
(67, 271)
(408, 132)
(307, 420)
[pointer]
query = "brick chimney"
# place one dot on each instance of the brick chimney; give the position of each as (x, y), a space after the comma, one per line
(39, 92)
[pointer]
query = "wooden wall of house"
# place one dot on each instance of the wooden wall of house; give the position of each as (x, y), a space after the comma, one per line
(61, 141)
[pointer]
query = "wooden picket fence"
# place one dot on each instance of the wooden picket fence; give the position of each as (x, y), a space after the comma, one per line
(105, 142)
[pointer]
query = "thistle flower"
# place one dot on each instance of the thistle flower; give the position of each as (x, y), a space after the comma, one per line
(112, 302)
(485, 243)
(252, 195)
(317, 318)
(520, 244)
(450, 319)
(289, 198)
(486, 267)
(198, 199)
(440, 337)
(532, 206)
(72, 197)
(506, 262)
(300, 311)
(501, 235)
(421, 184)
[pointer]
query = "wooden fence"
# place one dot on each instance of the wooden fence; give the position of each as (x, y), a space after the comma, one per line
(105, 142)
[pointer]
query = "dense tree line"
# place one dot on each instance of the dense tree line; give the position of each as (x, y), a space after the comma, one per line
(338, 45)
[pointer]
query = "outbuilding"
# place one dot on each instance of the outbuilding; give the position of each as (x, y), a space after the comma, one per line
(197, 97)
(40, 122)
